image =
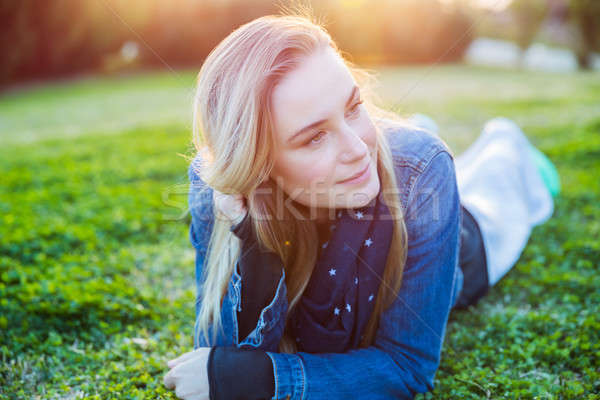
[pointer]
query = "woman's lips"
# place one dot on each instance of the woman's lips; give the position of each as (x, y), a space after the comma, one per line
(362, 175)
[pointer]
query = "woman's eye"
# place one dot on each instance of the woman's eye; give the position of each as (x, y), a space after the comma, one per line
(316, 139)
(319, 135)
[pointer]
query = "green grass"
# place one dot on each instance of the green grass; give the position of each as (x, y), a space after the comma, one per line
(96, 270)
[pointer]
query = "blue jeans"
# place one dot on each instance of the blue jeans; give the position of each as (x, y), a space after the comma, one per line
(472, 262)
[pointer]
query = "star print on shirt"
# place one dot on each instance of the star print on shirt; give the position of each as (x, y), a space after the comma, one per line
(332, 272)
(368, 242)
(359, 214)
(371, 297)
(336, 311)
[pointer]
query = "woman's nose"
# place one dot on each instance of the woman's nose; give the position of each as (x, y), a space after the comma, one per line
(352, 147)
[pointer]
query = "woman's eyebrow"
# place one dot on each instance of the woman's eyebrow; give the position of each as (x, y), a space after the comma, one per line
(355, 89)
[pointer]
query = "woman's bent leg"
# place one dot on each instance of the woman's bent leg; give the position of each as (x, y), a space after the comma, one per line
(499, 183)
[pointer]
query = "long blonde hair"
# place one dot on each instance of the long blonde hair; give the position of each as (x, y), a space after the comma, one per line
(232, 130)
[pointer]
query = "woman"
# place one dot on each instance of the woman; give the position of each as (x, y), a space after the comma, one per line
(328, 232)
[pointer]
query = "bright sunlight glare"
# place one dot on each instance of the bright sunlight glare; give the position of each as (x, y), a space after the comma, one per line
(493, 5)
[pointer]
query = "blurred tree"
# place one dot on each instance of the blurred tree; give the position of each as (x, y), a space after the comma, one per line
(45, 39)
(409, 31)
(529, 15)
(585, 14)
(183, 32)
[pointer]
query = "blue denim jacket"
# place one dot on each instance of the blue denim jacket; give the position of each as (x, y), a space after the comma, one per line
(406, 351)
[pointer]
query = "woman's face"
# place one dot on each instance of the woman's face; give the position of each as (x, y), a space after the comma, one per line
(323, 136)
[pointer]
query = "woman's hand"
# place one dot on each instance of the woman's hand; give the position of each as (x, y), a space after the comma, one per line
(232, 206)
(189, 375)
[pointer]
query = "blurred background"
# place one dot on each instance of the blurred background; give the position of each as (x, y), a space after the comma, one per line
(49, 39)
(96, 269)
(108, 54)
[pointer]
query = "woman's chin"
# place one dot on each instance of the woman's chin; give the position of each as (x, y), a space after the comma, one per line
(363, 195)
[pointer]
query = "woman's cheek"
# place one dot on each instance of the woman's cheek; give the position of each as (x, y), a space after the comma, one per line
(316, 174)
(316, 178)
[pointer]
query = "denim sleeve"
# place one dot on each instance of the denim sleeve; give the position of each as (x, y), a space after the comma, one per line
(261, 271)
(270, 324)
(406, 352)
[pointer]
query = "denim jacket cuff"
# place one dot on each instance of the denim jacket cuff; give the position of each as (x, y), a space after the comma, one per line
(290, 378)
(270, 319)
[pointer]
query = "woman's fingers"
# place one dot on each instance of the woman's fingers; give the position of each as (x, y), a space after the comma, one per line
(232, 206)
(189, 375)
(169, 379)
(185, 356)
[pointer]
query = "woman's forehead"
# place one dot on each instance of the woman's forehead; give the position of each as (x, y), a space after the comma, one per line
(313, 91)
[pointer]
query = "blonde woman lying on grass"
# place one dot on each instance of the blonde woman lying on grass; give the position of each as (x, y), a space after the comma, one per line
(333, 238)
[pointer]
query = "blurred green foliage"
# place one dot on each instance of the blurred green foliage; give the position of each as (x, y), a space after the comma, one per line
(91, 257)
(96, 268)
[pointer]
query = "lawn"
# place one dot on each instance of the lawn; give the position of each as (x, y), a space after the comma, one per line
(96, 270)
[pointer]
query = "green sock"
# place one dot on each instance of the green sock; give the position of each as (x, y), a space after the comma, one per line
(547, 170)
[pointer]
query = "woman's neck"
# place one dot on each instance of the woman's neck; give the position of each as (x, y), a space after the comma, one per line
(323, 225)
(323, 215)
